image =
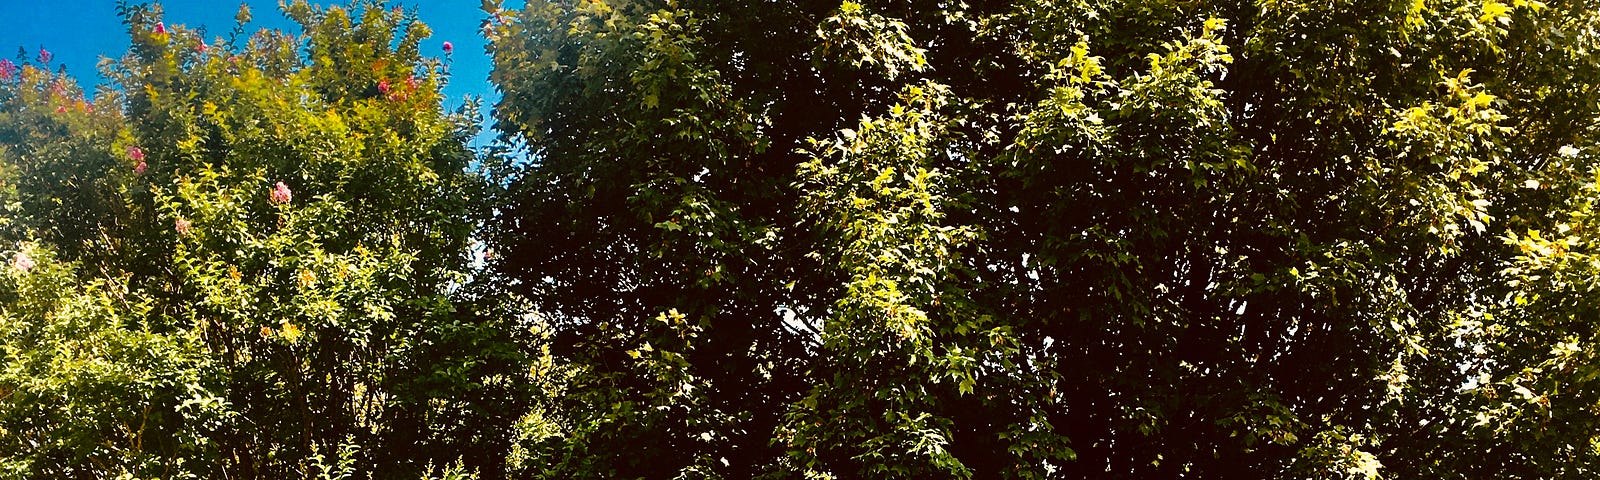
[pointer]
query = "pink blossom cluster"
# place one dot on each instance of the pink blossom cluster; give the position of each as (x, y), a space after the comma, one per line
(281, 194)
(8, 70)
(22, 262)
(137, 155)
(387, 90)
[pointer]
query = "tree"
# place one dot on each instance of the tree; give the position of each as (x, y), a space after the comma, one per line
(1045, 239)
(270, 276)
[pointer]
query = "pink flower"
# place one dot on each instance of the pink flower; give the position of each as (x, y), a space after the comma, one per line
(44, 55)
(182, 226)
(139, 169)
(136, 153)
(161, 28)
(22, 262)
(280, 193)
(61, 109)
(383, 86)
(411, 82)
(449, 48)
(8, 70)
(200, 48)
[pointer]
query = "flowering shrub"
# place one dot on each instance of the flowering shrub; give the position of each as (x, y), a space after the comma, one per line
(242, 336)
(64, 180)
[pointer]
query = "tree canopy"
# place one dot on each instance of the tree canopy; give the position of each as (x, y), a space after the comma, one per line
(1037, 239)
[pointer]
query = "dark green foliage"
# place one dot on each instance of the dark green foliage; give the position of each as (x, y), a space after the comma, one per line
(1040, 239)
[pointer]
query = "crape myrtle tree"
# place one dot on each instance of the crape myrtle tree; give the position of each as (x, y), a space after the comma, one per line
(1128, 239)
(247, 258)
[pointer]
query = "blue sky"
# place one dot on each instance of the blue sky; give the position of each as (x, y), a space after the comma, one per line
(79, 32)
